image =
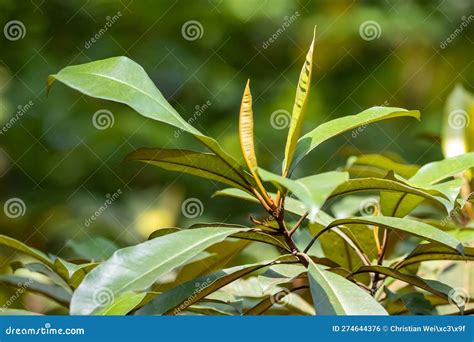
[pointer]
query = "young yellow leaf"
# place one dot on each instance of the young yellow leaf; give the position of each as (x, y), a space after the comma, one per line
(299, 107)
(246, 129)
(247, 137)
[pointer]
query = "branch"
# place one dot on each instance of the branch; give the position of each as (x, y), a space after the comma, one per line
(298, 224)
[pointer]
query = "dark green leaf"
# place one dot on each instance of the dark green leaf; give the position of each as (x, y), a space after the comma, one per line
(334, 295)
(184, 295)
(205, 165)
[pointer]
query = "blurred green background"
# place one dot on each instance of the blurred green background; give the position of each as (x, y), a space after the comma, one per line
(200, 54)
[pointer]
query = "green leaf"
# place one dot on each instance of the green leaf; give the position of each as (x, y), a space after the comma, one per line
(220, 255)
(299, 107)
(329, 129)
(435, 287)
(401, 204)
(21, 247)
(123, 304)
(335, 295)
(96, 248)
(420, 229)
(389, 185)
(42, 269)
(72, 273)
(55, 292)
(430, 252)
(122, 80)
(313, 191)
(383, 163)
(437, 171)
(336, 247)
(188, 293)
(205, 165)
(138, 267)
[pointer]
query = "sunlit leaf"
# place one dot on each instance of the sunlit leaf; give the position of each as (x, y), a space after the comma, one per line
(384, 164)
(122, 80)
(246, 134)
(329, 129)
(438, 171)
(138, 267)
(427, 177)
(123, 304)
(299, 107)
(378, 184)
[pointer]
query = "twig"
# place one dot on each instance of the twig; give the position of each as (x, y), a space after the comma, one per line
(298, 224)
